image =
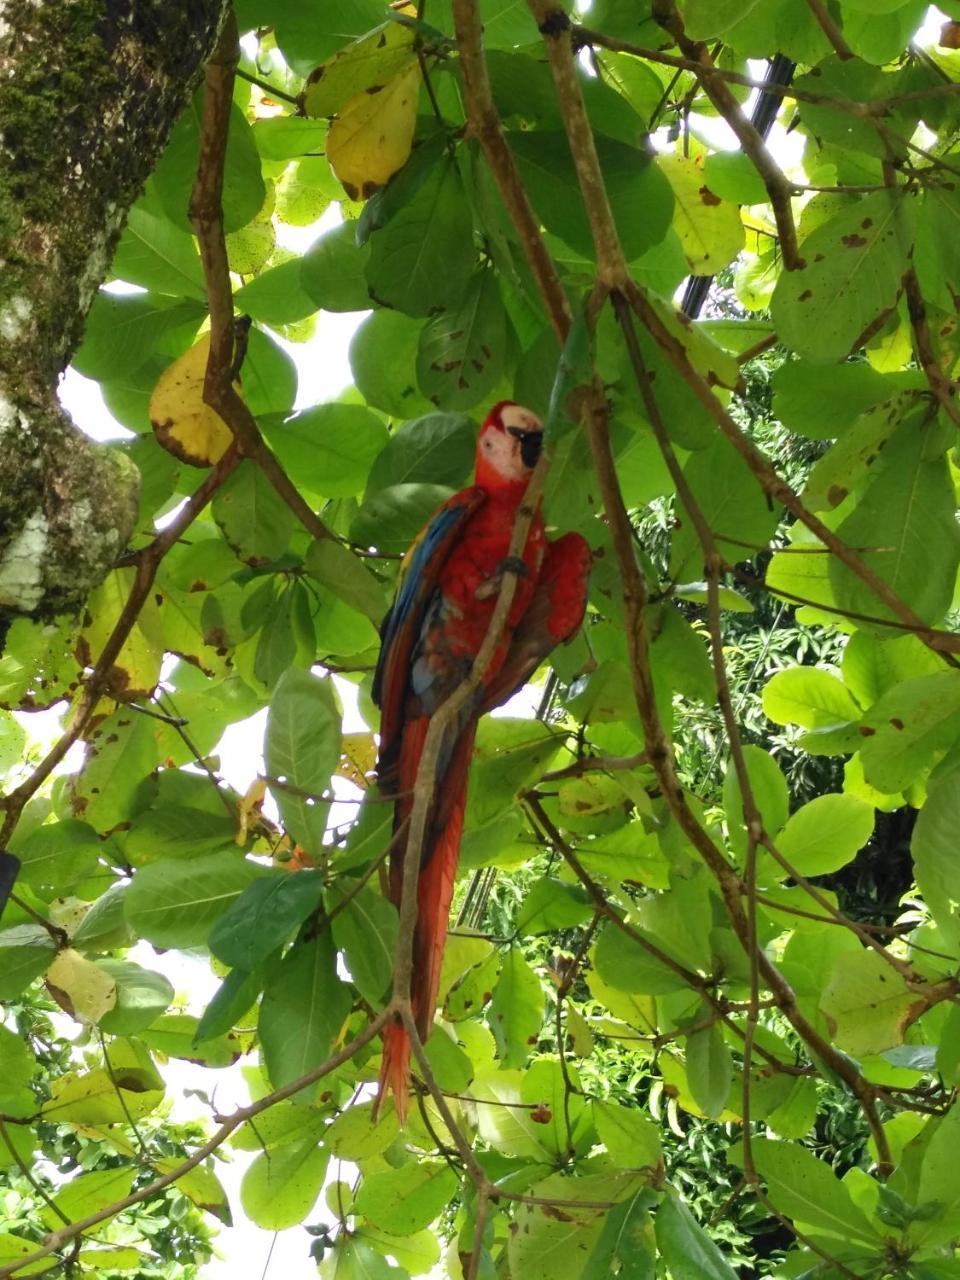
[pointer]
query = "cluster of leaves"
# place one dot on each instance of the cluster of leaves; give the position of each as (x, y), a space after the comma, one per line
(618, 988)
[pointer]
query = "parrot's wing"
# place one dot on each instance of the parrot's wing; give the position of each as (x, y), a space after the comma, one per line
(553, 616)
(402, 627)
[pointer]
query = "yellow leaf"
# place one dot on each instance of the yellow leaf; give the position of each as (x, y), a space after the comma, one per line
(711, 233)
(357, 759)
(373, 59)
(182, 422)
(250, 807)
(371, 138)
(136, 668)
(80, 987)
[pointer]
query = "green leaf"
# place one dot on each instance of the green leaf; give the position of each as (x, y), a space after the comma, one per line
(852, 269)
(264, 916)
(626, 1242)
(810, 697)
(347, 577)
(822, 402)
(18, 1066)
(142, 996)
(837, 473)
(175, 904)
(709, 228)
(685, 1247)
(510, 755)
(281, 1186)
(302, 748)
(906, 518)
(807, 1190)
(462, 351)
(550, 904)
(407, 1199)
(434, 227)
(157, 255)
(632, 1140)
(516, 1010)
(233, 998)
(57, 855)
(627, 966)
(354, 1136)
(365, 930)
(938, 1184)
(769, 788)
(122, 330)
(867, 1004)
(89, 1193)
(639, 195)
(391, 519)
(934, 849)
(333, 272)
(731, 502)
(732, 176)
(304, 1007)
(287, 137)
(329, 449)
(935, 254)
(252, 516)
(438, 448)
(709, 1070)
(359, 67)
(269, 376)
(826, 833)
(383, 359)
(909, 728)
(25, 951)
(704, 19)
(276, 296)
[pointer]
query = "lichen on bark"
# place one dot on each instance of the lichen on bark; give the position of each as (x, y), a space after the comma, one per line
(89, 91)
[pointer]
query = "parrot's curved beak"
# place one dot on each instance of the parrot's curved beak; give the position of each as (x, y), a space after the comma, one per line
(530, 444)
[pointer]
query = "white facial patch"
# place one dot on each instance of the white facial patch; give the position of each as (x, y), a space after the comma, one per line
(515, 415)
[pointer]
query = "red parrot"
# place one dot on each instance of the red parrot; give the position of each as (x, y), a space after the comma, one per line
(445, 598)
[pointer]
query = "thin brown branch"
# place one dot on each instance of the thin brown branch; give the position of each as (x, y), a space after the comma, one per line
(942, 386)
(779, 189)
(830, 29)
(484, 125)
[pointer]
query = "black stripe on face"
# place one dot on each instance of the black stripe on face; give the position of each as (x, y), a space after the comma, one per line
(530, 444)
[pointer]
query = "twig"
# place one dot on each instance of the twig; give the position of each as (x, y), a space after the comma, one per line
(280, 94)
(779, 189)
(942, 386)
(830, 29)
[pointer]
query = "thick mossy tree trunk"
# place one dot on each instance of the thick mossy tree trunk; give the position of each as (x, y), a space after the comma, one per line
(89, 91)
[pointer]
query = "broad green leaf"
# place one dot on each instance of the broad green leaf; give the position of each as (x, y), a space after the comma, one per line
(907, 519)
(908, 729)
(938, 1183)
(156, 254)
(130, 1088)
(365, 930)
(175, 904)
(510, 755)
(407, 1199)
(842, 468)
(57, 855)
(450, 1065)
(254, 519)
(822, 402)
(934, 849)
(627, 966)
(807, 1190)
(353, 1259)
(936, 257)
(504, 1123)
(284, 1123)
(122, 330)
(329, 449)
(684, 1245)
(281, 1186)
(706, 18)
(462, 351)
(639, 195)
(234, 997)
(438, 448)
(383, 360)
(269, 376)
(626, 1241)
(202, 1186)
(709, 228)
(550, 904)
(630, 1137)
(730, 501)
(264, 916)
(303, 1009)
(333, 270)
(769, 788)
(418, 1253)
(851, 275)
(392, 518)
(826, 833)
(18, 1066)
(347, 577)
(709, 1069)
(25, 951)
(516, 1010)
(874, 663)
(286, 137)
(177, 1035)
(353, 1136)
(302, 748)
(277, 296)
(433, 227)
(867, 1004)
(88, 1193)
(810, 697)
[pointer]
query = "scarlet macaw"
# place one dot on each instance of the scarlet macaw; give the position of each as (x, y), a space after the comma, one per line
(445, 597)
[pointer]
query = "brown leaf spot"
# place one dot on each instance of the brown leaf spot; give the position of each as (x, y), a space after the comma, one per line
(853, 241)
(836, 494)
(707, 196)
(865, 731)
(950, 35)
(541, 1114)
(807, 293)
(897, 722)
(867, 223)
(374, 88)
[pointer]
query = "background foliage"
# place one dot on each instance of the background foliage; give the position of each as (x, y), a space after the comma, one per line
(695, 1028)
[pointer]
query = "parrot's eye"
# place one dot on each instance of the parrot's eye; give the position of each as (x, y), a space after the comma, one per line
(530, 442)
